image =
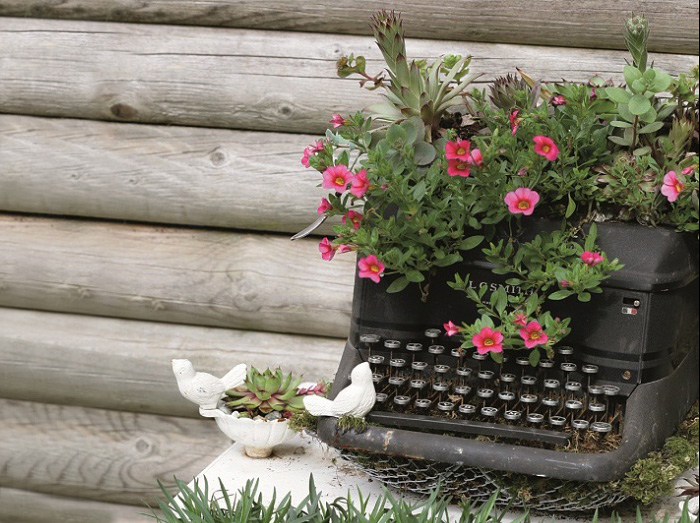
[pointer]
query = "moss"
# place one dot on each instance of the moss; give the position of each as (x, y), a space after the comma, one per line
(346, 423)
(650, 478)
(303, 421)
(680, 452)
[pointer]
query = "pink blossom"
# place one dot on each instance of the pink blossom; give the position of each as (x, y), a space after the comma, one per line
(591, 258)
(342, 249)
(520, 319)
(324, 207)
(326, 249)
(558, 100)
(522, 201)
(305, 157)
(355, 219)
(522, 172)
(360, 184)
(688, 171)
(451, 329)
(672, 186)
(533, 335)
(337, 121)
(564, 284)
(318, 146)
(475, 158)
(593, 95)
(546, 147)
(457, 168)
(370, 268)
(336, 178)
(488, 340)
(514, 122)
(458, 150)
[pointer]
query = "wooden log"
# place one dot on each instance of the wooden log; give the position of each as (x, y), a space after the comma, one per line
(586, 23)
(167, 174)
(102, 455)
(190, 276)
(22, 506)
(260, 80)
(125, 364)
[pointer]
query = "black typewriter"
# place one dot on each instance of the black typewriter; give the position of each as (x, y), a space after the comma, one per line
(615, 389)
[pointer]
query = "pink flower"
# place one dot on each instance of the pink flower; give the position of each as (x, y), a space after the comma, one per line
(336, 178)
(475, 158)
(457, 168)
(672, 186)
(546, 147)
(520, 319)
(522, 172)
(593, 95)
(533, 335)
(514, 122)
(564, 284)
(355, 219)
(522, 201)
(337, 121)
(451, 329)
(318, 146)
(371, 268)
(360, 184)
(326, 249)
(488, 340)
(558, 100)
(342, 249)
(591, 258)
(324, 207)
(458, 150)
(688, 171)
(305, 157)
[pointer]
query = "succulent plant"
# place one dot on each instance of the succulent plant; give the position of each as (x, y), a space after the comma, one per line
(264, 393)
(505, 90)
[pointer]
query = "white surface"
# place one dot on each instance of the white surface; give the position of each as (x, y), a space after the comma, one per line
(291, 464)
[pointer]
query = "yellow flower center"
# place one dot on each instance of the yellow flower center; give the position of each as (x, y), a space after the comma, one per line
(461, 166)
(534, 335)
(374, 268)
(523, 204)
(679, 186)
(461, 151)
(545, 148)
(340, 181)
(488, 342)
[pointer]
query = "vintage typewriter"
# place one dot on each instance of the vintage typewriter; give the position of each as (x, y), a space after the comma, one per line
(616, 388)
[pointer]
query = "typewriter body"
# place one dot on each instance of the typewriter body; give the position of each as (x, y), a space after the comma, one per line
(616, 388)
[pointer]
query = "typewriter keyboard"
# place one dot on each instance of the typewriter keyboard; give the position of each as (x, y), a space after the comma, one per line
(559, 403)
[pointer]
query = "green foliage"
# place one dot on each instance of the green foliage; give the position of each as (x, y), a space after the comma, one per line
(346, 423)
(266, 392)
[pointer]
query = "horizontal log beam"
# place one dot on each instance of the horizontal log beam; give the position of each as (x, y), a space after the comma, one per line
(235, 78)
(154, 173)
(125, 364)
(190, 276)
(586, 23)
(102, 455)
(22, 506)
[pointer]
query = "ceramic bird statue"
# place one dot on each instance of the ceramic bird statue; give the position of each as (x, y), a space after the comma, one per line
(204, 389)
(357, 399)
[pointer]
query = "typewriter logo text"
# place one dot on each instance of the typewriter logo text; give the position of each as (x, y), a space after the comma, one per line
(493, 286)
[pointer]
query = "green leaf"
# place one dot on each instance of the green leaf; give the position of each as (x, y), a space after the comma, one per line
(534, 357)
(570, 207)
(497, 357)
(424, 153)
(398, 284)
(638, 86)
(642, 151)
(470, 243)
(619, 140)
(651, 128)
(499, 300)
(639, 104)
(589, 245)
(419, 190)
(395, 134)
(618, 95)
(415, 276)
(584, 296)
(661, 82)
(621, 124)
(650, 116)
(625, 113)
(448, 260)
(560, 294)
(631, 74)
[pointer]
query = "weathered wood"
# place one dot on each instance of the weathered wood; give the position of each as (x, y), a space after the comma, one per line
(99, 454)
(167, 174)
(21, 506)
(586, 23)
(247, 79)
(191, 276)
(125, 364)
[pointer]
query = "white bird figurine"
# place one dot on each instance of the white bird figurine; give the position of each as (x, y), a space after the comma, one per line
(357, 399)
(204, 389)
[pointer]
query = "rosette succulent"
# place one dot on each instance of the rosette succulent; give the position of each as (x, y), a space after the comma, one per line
(265, 393)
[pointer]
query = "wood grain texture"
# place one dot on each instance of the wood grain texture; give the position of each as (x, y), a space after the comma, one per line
(99, 454)
(150, 173)
(189, 276)
(22, 506)
(235, 78)
(586, 23)
(125, 364)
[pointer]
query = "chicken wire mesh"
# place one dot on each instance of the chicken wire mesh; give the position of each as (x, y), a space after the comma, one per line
(478, 485)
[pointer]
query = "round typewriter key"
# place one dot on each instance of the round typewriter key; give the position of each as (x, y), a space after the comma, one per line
(392, 344)
(417, 386)
(595, 390)
(422, 405)
(489, 413)
(457, 352)
(550, 405)
(601, 428)
(512, 416)
(596, 411)
(528, 383)
(580, 424)
(522, 361)
(396, 381)
(573, 405)
(552, 384)
(369, 338)
(573, 389)
(440, 389)
(557, 422)
(485, 375)
(436, 350)
(397, 362)
(463, 373)
(377, 378)
(535, 419)
(485, 394)
(441, 369)
(568, 367)
(414, 347)
(467, 410)
(611, 390)
(446, 406)
(376, 360)
(507, 381)
(546, 364)
(419, 368)
(506, 396)
(463, 390)
(381, 399)
(565, 351)
(589, 369)
(528, 398)
(400, 403)
(432, 333)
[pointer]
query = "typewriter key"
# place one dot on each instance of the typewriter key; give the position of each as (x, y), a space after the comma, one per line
(596, 411)
(377, 379)
(489, 414)
(376, 362)
(446, 407)
(523, 363)
(507, 382)
(601, 428)
(480, 359)
(440, 389)
(528, 383)
(463, 390)
(392, 346)
(557, 422)
(485, 396)
(506, 397)
(545, 368)
(567, 369)
(485, 378)
(396, 384)
(381, 400)
(572, 407)
(611, 392)
(414, 349)
(528, 401)
(441, 372)
(463, 374)
(550, 406)
(436, 351)
(535, 419)
(433, 334)
(565, 352)
(580, 425)
(397, 367)
(417, 387)
(400, 403)
(369, 341)
(512, 417)
(573, 389)
(419, 369)
(594, 393)
(422, 405)
(467, 410)
(458, 352)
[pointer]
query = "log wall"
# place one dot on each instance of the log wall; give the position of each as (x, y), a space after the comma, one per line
(150, 178)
